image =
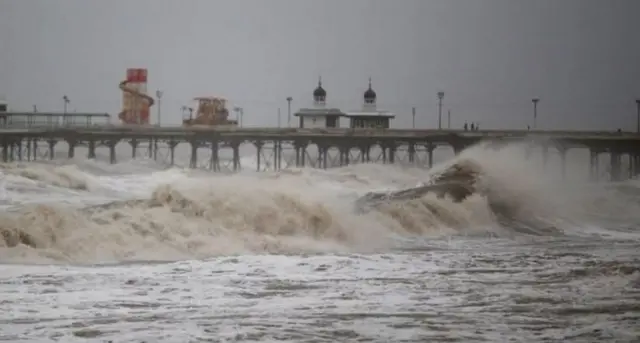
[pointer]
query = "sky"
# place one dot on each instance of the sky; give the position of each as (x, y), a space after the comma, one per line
(490, 57)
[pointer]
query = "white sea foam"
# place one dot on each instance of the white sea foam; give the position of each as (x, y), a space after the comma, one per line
(181, 214)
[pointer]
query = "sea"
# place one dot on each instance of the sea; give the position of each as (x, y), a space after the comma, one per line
(139, 251)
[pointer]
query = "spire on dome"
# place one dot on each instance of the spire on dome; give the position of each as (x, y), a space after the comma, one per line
(319, 94)
(370, 95)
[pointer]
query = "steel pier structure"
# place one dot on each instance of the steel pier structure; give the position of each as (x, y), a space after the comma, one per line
(319, 148)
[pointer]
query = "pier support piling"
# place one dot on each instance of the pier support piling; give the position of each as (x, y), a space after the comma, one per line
(593, 165)
(52, 144)
(91, 154)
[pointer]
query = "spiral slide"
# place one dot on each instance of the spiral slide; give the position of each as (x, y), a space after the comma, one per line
(123, 114)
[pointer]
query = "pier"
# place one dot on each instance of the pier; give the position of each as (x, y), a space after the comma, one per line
(318, 148)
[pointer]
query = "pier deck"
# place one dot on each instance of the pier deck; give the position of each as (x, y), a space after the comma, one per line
(16, 141)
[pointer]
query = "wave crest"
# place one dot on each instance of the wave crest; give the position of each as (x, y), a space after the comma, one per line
(198, 215)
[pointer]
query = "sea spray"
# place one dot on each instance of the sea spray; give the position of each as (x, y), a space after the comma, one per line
(180, 214)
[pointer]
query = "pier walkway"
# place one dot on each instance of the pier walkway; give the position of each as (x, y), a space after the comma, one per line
(16, 141)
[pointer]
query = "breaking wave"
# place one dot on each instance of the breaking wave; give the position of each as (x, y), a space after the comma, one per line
(147, 213)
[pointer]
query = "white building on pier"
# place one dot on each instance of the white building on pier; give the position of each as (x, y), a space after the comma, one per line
(369, 116)
(319, 116)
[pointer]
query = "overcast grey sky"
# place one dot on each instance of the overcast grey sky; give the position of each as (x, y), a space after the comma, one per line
(581, 57)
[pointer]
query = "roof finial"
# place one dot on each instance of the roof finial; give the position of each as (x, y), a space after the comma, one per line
(320, 81)
(369, 82)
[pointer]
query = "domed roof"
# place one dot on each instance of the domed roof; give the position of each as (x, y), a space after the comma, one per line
(369, 94)
(319, 92)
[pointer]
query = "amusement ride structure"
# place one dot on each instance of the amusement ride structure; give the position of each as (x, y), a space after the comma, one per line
(135, 101)
(211, 111)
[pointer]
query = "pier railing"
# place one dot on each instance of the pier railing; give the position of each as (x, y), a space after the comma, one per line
(341, 132)
(51, 120)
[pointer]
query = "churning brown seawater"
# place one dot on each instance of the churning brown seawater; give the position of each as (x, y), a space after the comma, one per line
(137, 252)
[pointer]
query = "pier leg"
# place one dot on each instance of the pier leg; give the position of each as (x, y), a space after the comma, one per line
(193, 163)
(298, 151)
(325, 158)
(172, 152)
(19, 146)
(92, 150)
(155, 149)
(236, 156)
(72, 148)
(150, 149)
(34, 148)
(134, 148)
(392, 153)
(258, 145)
(344, 155)
(412, 153)
(563, 161)
(430, 149)
(29, 149)
(615, 166)
(275, 155)
(303, 155)
(279, 155)
(52, 145)
(214, 161)
(277, 152)
(457, 149)
(5, 151)
(319, 157)
(112, 152)
(593, 165)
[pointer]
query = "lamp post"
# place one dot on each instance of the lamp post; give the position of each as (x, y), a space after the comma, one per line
(278, 117)
(239, 114)
(413, 117)
(289, 99)
(440, 97)
(638, 116)
(449, 119)
(159, 94)
(66, 101)
(535, 111)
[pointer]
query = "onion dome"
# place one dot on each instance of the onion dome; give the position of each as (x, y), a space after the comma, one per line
(319, 94)
(370, 95)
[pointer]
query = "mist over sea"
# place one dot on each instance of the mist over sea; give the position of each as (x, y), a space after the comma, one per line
(141, 251)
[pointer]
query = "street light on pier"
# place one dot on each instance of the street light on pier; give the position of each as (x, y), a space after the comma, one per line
(535, 111)
(278, 117)
(289, 99)
(638, 116)
(159, 94)
(239, 114)
(66, 101)
(413, 117)
(440, 97)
